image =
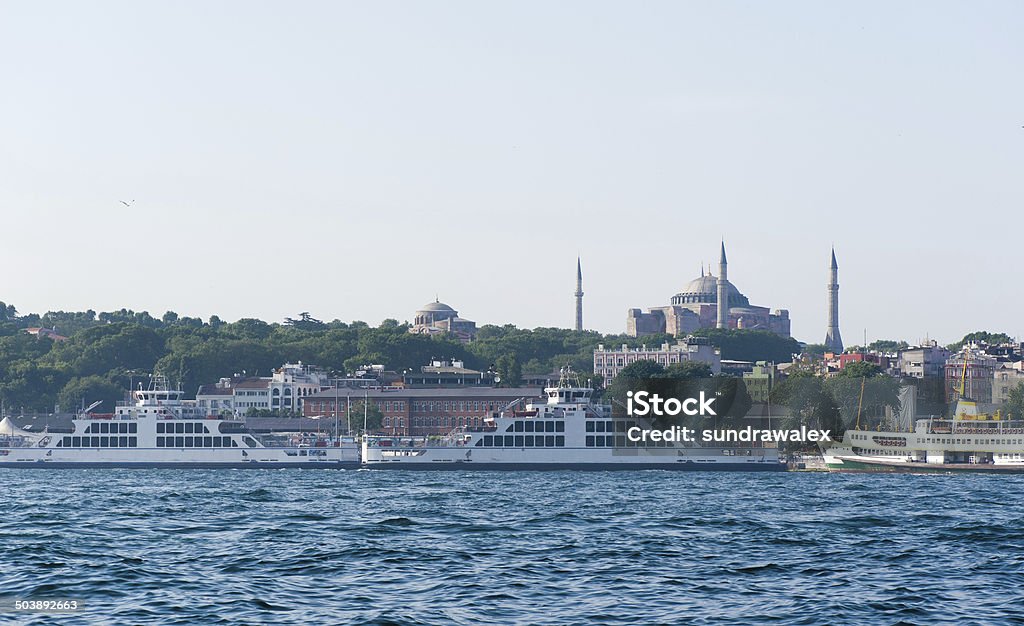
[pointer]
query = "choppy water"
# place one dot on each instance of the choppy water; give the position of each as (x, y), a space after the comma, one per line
(336, 547)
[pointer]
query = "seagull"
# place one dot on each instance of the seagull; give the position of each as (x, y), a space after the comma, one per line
(129, 205)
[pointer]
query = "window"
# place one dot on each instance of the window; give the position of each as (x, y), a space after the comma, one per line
(529, 441)
(105, 441)
(538, 441)
(159, 442)
(590, 440)
(519, 441)
(488, 440)
(559, 427)
(560, 440)
(549, 441)
(528, 426)
(65, 442)
(160, 428)
(590, 428)
(76, 442)
(509, 441)
(179, 442)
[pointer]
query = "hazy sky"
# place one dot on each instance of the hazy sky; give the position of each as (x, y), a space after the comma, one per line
(355, 159)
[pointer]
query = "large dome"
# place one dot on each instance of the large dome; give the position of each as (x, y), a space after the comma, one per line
(704, 290)
(437, 307)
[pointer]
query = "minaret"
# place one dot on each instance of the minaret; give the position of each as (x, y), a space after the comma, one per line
(579, 295)
(723, 293)
(833, 340)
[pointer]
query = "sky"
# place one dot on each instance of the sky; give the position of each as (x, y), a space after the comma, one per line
(358, 159)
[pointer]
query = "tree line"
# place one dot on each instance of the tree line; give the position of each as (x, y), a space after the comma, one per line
(107, 353)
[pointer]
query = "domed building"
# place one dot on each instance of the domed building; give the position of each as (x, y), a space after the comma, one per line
(437, 317)
(696, 306)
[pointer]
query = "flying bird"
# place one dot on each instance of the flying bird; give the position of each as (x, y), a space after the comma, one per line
(127, 204)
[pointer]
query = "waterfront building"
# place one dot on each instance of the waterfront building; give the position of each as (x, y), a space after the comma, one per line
(696, 306)
(447, 374)
(608, 362)
(927, 360)
(976, 378)
(437, 317)
(1004, 380)
(284, 391)
(760, 381)
(417, 411)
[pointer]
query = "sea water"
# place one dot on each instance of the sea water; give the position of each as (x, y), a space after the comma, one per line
(394, 547)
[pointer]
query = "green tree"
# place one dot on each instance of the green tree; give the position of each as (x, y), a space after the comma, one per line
(509, 370)
(1014, 406)
(79, 392)
(751, 345)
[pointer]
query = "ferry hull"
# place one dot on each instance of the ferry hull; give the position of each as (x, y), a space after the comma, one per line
(40, 464)
(881, 467)
(589, 467)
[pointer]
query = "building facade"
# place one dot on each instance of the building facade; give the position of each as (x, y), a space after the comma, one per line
(417, 412)
(975, 378)
(608, 362)
(283, 392)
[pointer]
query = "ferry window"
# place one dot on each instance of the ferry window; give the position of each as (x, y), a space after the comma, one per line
(179, 442)
(92, 442)
(538, 441)
(114, 442)
(479, 442)
(206, 430)
(123, 442)
(234, 444)
(609, 427)
(529, 426)
(519, 441)
(88, 429)
(560, 441)
(159, 442)
(104, 429)
(133, 428)
(488, 440)
(76, 442)
(549, 441)
(188, 442)
(188, 428)
(66, 442)
(620, 427)
(559, 427)
(160, 428)
(519, 427)
(600, 427)
(509, 441)
(207, 442)
(620, 441)
(590, 427)
(529, 441)
(590, 441)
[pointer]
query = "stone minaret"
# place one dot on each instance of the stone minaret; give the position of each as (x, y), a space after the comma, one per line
(723, 293)
(832, 338)
(579, 295)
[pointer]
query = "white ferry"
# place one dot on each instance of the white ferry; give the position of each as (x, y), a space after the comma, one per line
(161, 430)
(565, 431)
(970, 441)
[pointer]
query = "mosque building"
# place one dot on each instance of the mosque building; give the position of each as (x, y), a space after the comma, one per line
(438, 318)
(696, 306)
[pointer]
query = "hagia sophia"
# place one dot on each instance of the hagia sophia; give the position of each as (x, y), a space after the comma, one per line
(696, 306)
